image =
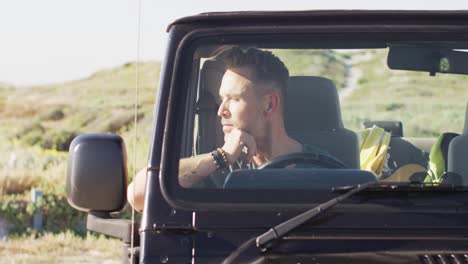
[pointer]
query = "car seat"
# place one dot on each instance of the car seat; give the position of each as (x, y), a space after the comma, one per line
(393, 127)
(313, 116)
(458, 152)
(210, 132)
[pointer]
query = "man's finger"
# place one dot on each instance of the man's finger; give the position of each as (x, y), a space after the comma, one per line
(249, 142)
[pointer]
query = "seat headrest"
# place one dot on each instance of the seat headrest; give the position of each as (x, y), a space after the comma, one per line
(312, 103)
(211, 76)
(394, 127)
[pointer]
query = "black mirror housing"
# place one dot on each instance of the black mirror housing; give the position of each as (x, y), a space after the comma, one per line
(432, 60)
(97, 173)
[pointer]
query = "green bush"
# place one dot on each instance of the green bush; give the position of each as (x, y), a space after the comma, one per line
(30, 128)
(57, 215)
(58, 140)
(14, 209)
(119, 122)
(363, 80)
(31, 134)
(393, 106)
(33, 138)
(53, 115)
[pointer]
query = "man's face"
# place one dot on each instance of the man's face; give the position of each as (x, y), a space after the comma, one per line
(241, 106)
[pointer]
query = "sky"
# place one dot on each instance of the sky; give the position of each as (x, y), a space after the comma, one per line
(53, 41)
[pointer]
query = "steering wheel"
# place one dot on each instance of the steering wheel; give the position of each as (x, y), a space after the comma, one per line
(321, 160)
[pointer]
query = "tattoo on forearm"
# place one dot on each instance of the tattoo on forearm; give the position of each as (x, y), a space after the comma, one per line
(189, 178)
(194, 169)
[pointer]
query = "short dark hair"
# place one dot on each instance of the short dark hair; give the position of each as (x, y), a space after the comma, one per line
(266, 67)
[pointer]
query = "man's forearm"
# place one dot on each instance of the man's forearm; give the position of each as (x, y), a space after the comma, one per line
(195, 169)
(191, 171)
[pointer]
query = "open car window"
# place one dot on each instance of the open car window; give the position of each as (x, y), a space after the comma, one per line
(378, 109)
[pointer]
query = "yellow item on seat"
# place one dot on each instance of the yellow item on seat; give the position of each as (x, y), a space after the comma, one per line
(438, 158)
(373, 144)
(405, 172)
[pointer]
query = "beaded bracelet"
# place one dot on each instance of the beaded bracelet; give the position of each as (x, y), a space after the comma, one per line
(219, 160)
(223, 154)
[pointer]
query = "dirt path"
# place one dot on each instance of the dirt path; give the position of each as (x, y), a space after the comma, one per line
(353, 76)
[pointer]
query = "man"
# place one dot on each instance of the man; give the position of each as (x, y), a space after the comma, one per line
(252, 93)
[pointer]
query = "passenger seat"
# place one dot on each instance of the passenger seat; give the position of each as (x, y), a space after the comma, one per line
(458, 153)
(395, 128)
(210, 133)
(313, 116)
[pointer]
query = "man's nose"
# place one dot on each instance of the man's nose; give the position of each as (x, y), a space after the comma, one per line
(222, 110)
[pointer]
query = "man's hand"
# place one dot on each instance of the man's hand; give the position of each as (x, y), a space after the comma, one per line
(234, 141)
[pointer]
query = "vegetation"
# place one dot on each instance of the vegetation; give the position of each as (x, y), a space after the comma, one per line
(60, 248)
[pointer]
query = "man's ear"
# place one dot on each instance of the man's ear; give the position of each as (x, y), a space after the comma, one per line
(272, 102)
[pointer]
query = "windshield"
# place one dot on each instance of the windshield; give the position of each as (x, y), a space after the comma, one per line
(315, 118)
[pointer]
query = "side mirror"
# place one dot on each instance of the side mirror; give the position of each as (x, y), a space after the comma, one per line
(97, 184)
(97, 173)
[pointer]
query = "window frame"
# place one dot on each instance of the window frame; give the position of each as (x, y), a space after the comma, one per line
(244, 200)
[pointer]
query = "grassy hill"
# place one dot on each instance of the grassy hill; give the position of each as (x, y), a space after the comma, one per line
(48, 117)
(101, 103)
(426, 105)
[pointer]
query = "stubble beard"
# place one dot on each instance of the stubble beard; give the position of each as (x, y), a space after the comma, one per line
(265, 141)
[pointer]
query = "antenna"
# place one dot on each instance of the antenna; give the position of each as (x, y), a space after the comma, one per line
(137, 84)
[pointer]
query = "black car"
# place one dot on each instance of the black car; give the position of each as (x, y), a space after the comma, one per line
(382, 93)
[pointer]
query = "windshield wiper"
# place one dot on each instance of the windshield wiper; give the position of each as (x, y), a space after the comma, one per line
(267, 240)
